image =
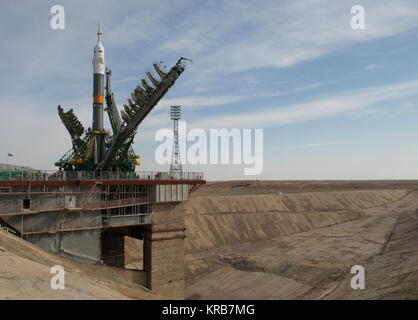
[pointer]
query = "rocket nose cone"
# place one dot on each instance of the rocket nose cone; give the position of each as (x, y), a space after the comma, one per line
(99, 31)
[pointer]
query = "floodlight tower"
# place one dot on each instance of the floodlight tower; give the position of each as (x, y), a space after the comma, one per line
(175, 166)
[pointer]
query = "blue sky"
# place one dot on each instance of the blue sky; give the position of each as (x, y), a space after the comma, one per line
(334, 103)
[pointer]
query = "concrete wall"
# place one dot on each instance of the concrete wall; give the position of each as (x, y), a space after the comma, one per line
(164, 251)
(170, 192)
(39, 228)
(82, 246)
(163, 245)
(38, 202)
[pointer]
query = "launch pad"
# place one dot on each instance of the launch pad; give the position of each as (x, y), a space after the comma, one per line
(96, 203)
(87, 219)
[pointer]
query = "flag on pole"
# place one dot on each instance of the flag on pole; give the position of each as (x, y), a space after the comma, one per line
(9, 154)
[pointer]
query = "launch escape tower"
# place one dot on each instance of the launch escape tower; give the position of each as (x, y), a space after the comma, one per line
(96, 205)
(175, 166)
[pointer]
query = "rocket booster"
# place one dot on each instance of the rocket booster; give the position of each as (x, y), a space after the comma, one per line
(98, 93)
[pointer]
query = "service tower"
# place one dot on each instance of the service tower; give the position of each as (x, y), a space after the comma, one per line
(98, 93)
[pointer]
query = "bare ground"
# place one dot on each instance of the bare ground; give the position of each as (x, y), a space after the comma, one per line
(25, 274)
(316, 264)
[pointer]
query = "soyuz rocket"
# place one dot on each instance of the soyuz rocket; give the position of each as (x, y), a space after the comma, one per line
(98, 93)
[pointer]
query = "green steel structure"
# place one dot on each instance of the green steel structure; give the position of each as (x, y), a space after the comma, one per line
(119, 155)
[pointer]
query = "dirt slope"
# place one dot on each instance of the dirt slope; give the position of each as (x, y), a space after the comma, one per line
(292, 202)
(393, 273)
(217, 221)
(291, 246)
(25, 274)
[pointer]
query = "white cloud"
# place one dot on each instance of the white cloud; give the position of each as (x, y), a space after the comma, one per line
(35, 140)
(218, 100)
(373, 66)
(332, 105)
(244, 35)
(200, 101)
(312, 145)
(356, 102)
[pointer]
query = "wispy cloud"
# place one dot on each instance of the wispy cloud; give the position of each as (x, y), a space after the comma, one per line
(236, 36)
(201, 101)
(373, 66)
(312, 145)
(219, 100)
(332, 105)
(359, 102)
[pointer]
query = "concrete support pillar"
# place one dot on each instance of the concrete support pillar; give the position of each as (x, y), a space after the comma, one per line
(164, 251)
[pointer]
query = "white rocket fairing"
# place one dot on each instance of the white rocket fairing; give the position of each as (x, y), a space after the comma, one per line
(98, 58)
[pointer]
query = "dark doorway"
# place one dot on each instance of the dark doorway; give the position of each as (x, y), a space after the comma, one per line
(26, 203)
(123, 247)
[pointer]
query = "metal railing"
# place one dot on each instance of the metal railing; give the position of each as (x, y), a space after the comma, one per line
(48, 175)
(60, 205)
(108, 204)
(149, 175)
(8, 230)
